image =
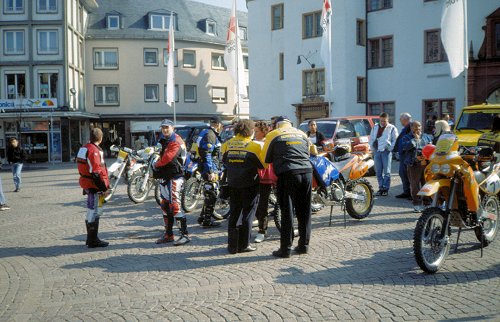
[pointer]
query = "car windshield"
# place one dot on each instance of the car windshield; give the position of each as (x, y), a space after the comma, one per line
(227, 133)
(183, 132)
(482, 120)
(325, 127)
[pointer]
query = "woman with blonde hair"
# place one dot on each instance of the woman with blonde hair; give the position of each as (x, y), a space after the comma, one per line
(441, 127)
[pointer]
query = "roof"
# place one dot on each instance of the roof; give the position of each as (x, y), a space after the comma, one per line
(482, 106)
(191, 16)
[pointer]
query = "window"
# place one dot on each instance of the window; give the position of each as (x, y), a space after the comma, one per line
(387, 107)
(211, 28)
(345, 129)
(242, 33)
(282, 66)
(16, 86)
(245, 62)
(165, 57)
(151, 93)
(189, 59)
(496, 43)
(150, 57)
(437, 107)
(13, 6)
(277, 16)
(313, 82)
(190, 93)
(46, 6)
(360, 33)
(381, 54)
(14, 42)
(219, 95)
(113, 22)
(160, 22)
(106, 58)
(218, 61)
(47, 42)
(106, 95)
(373, 5)
(311, 25)
(361, 86)
(362, 127)
(48, 85)
(176, 92)
(434, 51)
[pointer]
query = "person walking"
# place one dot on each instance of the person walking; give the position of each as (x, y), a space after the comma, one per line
(412, 145)
(440, 127)
(3, 200)
(16, 156)
(94, 181)
(241, 158)
(315, 136)
(382, 140)
(287, 148)
(169, 170)
(405, 119)
(209, 144)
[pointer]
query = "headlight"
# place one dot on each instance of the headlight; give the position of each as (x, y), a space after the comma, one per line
(435, 168)
(445, 168)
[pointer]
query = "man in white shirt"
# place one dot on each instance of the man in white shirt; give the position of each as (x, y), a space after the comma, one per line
(382, 141)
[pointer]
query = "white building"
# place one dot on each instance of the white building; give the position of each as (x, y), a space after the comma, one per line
(386, 56)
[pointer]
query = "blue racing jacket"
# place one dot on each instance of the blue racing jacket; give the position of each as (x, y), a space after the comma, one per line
(208, 149)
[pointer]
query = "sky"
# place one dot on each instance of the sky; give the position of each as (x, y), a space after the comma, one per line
(241, 4)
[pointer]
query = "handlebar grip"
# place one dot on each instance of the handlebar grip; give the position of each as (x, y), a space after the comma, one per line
(128, 150)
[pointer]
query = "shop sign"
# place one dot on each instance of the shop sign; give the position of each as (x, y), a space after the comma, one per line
(28, 103)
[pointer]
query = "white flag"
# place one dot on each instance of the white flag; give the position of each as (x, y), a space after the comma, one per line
(326, 43)
(233, 56)
(453, 35)
(170, 62)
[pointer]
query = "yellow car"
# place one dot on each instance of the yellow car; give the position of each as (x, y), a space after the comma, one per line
(474, 121)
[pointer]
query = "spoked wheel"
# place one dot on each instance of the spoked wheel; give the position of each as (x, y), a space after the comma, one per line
(135, 191)
(221, 208)
(191, 194)
(112, 184)
(430, 240)
(487, 230)
(360, 207)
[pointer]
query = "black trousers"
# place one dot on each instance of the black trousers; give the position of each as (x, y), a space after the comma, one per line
(262, 215)
(294, 192)
(243, 202)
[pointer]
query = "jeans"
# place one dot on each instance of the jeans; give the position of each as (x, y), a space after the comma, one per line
(403, 174)
(2, 196)
(16, 173)
(383, 169)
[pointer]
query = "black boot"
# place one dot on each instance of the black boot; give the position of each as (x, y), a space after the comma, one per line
(93, 240)
(232, 240)
(208, 221)
(87, 227)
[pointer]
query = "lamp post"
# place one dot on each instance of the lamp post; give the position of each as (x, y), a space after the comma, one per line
(299, 61)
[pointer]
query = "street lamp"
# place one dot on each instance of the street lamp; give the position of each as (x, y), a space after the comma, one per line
(299, 61)
(72, 91)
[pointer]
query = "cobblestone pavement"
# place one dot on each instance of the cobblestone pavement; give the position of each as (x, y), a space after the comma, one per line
(365, 271)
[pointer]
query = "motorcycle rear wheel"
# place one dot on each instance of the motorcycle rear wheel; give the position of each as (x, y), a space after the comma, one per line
(134, 191)
(429, 248)
(489, 228)
(190, 195)
(359, 209)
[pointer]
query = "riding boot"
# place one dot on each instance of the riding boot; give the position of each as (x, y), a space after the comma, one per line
(208, 221)
(87, 227)
(93, 240)
(232, 240)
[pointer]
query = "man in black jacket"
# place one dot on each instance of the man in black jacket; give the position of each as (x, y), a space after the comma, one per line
(405, 119)
(16, 156)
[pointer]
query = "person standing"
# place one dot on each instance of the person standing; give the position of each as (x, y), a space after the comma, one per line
(315, 136)
(412, 145)
(405, 119)
(209, 144)
(382, 140)
(94, 181)
(169, 170)
(3, 200)
(440, 127)
(287, 148)
(241, 158)
(16, 156)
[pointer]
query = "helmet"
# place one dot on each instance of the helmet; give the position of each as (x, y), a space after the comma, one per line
(341, 152)
(428, 150)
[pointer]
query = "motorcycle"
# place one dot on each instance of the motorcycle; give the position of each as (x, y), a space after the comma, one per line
(118, 168)
(465, 188)
(192, 193)
(142, 181)
(341, 182)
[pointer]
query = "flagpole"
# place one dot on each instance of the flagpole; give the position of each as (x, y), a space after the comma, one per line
(466, 57)
(237, 64)
(330, 66)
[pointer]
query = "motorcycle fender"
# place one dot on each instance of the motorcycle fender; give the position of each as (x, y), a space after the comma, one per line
(432, 187)
(136, 167)
(114, 167)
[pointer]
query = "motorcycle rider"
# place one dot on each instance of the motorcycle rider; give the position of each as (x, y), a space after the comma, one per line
(288, 149)
(169, 170)
(95, 183)
(209, 144)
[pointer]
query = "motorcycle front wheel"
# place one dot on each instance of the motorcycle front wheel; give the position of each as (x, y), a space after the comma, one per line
(359, 209)
(134, 188)
(488, 229)
(431, 240)
(112, 184)
(190, 195)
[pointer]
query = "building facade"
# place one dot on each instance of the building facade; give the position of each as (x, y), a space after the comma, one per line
(127, 58)
(42, 76)
(386, 57)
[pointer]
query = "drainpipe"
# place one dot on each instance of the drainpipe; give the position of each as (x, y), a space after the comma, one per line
(366, 58)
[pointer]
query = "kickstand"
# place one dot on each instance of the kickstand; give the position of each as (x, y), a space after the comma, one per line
(345, 218)
(482, 240)
(331, 213)
(458, 237)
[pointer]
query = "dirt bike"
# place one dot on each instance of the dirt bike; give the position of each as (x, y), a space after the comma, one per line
(464, 188)
(119, 168)
(192, 193)
(341, 182)
(142, 181)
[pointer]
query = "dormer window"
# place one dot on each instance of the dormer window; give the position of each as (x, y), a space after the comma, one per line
(242, 33)
(211, 27)
(113, 22)
(159, 22)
